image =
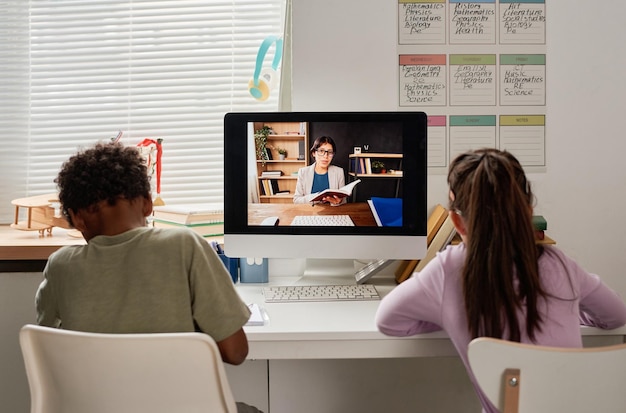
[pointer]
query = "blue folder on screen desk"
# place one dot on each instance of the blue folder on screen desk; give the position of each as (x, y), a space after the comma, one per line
(387, 211)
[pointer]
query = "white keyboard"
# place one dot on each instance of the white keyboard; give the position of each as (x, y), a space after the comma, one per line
(323, 220)
(297, 293)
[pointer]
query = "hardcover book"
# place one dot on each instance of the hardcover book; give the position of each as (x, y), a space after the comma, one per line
(342, 192)
(206, 229)
(189, 214)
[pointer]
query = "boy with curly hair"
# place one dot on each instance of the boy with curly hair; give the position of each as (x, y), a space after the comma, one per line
(130, 278)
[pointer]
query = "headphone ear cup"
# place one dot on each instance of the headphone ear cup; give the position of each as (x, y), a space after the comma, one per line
(267, 81)
(270, 76)
(261, 91)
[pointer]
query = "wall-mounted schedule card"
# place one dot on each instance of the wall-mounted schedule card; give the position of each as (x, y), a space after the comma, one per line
(522, 22)
(422, 21)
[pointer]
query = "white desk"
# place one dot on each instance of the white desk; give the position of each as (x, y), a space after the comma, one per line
(346, 330)
(329, 356)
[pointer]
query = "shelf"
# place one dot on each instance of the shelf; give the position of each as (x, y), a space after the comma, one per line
(289, 160)
(376, 155)
(362, 162)
(293, 137)
(286, 196)
(283, 177)
(285, 137)
(385, 175)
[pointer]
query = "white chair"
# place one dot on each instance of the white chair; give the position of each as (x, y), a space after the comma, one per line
(524, 378)
(77, 372)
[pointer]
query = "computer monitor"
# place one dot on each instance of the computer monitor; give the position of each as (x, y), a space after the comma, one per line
(387, 207)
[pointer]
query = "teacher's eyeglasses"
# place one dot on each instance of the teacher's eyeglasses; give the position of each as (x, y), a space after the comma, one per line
(322, 152)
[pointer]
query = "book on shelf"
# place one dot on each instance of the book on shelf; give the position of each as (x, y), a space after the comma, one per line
(267, 188)
(387, 211)
(272, 173)
(274, 186)
(358, 165)
(342, 192)
(189, 214)
(206, 229)
(368, 166)
(270, 187)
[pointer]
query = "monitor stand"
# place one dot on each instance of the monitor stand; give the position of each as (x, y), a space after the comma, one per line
(341, 271)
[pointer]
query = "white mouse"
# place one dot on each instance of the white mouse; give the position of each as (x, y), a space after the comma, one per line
(270, 221)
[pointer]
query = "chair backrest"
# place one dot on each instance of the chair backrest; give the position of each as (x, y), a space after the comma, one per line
(550, 379)
(77, 372)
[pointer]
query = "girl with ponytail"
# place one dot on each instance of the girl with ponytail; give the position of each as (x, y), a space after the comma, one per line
(498, 282)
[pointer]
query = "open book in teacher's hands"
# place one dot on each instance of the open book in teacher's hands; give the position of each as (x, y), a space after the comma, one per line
(342, 192)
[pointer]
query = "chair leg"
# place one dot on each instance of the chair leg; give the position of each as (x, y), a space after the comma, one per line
(511, 385)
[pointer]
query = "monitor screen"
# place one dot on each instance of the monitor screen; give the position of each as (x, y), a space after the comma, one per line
(277, 165)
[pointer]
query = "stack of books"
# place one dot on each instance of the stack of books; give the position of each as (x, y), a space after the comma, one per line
(441, 232)
(270, 186)
(206, 220)
(271, 173)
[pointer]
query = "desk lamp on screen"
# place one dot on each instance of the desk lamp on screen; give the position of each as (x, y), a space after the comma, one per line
(383, 218)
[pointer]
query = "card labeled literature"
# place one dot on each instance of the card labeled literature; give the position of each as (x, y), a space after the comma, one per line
(342, 192)
(190, 214)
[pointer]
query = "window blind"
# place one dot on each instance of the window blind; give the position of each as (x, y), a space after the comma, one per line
(79, 71)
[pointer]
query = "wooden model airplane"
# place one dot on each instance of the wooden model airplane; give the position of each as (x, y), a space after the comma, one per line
(40, 215)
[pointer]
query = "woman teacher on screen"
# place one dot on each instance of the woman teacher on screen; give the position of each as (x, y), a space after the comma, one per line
(320, 175)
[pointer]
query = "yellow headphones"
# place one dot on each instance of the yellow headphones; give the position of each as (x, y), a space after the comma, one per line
(265, 80)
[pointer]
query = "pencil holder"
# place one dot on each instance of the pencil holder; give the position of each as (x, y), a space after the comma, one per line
(253, 270)
(232, 265)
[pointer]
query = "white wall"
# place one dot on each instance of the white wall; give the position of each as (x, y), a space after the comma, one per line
(345, 58)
